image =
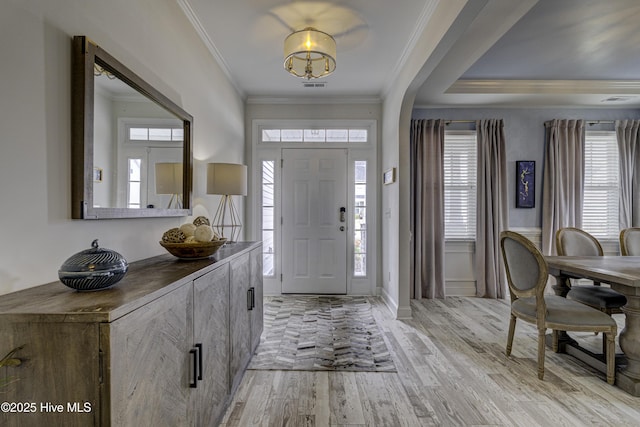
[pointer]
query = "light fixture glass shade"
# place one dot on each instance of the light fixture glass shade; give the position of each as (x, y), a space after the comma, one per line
(168, 178)
(310, 53)
(227, 179)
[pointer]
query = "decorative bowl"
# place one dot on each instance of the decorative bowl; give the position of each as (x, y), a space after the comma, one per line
(93, 269)
(194, 250)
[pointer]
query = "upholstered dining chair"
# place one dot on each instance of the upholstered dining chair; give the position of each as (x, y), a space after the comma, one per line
(571, 241)
(630, 241)
(527, 275)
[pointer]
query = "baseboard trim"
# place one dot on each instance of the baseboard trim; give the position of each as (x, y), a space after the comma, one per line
(404, 313)
(400, 313)
(388, 301)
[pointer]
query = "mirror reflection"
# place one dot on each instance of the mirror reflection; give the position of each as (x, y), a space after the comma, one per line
(131, 153)
(138, 148)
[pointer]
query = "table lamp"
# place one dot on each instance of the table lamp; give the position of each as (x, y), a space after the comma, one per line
(227, 180)
(169, 181)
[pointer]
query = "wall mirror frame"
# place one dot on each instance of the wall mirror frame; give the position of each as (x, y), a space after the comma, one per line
(85, 54)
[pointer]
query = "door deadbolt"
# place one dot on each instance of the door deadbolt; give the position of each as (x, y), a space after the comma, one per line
(342, 228)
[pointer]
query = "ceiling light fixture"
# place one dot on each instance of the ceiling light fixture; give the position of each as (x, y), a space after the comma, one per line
(99, 71)
(310, 54)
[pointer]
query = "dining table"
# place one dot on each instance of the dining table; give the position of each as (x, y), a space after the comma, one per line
(622, 273)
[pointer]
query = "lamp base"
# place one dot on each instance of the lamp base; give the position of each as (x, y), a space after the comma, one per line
(227, 218)
(176, 199)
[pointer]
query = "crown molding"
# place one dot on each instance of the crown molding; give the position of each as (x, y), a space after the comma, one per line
(608, 87)
(197, 25)
(423, 21)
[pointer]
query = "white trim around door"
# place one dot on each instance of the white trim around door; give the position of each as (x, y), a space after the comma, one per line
(361, 227)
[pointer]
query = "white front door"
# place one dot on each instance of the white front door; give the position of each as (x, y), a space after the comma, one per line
(314, 231)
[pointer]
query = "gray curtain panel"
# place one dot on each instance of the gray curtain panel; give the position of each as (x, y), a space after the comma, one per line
(427, 208)
(628, 136)
(563, 179)
(492, 215)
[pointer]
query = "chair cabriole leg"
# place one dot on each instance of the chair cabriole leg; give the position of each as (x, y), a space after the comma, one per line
(512, 328)
(611, 357)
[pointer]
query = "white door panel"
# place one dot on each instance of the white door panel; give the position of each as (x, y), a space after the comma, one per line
(314, 188)
(149, 157)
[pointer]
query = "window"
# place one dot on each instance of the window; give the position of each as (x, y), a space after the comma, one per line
(460, 164)
(134, 183)
(601, 185)
(360, 220)
(268, 226)
(140, 133)
(315, 135)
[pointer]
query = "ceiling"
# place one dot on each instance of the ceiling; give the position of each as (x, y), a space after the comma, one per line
(497, 52)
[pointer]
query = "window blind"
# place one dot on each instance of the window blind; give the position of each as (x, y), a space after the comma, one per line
(601, 185)
(460, 185)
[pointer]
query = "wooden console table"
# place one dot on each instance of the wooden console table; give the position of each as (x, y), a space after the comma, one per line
(166, 346)
(623, 274)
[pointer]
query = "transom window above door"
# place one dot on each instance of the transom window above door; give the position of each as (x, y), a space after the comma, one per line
(145, 133)
(314, 135)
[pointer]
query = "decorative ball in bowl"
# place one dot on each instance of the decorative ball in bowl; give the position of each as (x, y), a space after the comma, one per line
(194, 250)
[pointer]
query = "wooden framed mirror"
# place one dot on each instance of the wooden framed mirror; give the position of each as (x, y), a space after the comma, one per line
(131, 145)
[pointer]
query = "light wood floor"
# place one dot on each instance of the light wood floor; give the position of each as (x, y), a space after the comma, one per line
(452, 371)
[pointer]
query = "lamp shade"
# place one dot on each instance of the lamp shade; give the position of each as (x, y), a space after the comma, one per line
(227, 179)
(310, 53)
(169, 178)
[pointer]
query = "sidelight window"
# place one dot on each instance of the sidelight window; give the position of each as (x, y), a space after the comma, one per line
(360, 219)
(134, 183)
(268, 212)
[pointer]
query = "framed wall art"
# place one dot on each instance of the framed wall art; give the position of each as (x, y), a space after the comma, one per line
(525, 183)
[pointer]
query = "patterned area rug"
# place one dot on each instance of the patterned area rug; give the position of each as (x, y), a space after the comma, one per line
(321, 333)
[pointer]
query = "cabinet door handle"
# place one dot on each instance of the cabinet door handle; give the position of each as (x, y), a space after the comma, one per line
(253, 298)
(249, 299)
(194, 353)
(199, 348)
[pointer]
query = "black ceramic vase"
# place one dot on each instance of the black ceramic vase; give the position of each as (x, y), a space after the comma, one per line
(93, 269)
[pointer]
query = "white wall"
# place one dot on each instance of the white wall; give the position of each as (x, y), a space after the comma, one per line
(104, 132)
(396, 122)
(156, 41)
